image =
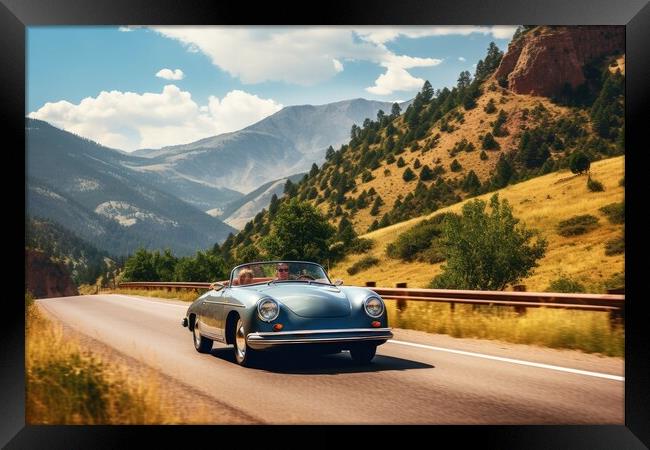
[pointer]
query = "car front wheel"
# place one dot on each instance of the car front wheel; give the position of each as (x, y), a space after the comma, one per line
(201, 344)
(363, 353)
(244, 355)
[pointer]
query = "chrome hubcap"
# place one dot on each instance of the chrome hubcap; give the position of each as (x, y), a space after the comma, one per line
(240, 340)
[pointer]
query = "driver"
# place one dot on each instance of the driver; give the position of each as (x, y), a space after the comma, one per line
(282, 271)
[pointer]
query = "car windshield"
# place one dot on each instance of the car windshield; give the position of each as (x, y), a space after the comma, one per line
(263, 272)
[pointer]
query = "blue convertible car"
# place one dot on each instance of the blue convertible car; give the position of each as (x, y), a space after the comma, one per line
(287, 304)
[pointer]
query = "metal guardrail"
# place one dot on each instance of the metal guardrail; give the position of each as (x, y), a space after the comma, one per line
(612, 303)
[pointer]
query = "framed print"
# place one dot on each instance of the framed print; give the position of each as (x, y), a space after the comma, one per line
(393, 213)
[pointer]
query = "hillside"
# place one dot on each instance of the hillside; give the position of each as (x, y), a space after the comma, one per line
(86, 188)
(83, 261)
(480, 136)
(280, 145)
(241, 211)
(540, 203)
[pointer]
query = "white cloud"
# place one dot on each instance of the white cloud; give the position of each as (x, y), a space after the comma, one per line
(460, 58)
(169, 74)
(309, 55)
(128, 120)
(303, 56)
(396, 78)
(382, 35)
(125, 29)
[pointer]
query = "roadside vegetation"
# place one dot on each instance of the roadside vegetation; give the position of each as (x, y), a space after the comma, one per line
(587, 331)
(66, 384)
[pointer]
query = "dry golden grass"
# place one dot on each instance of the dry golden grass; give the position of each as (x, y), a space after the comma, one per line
(587, 331)
(66, 384)
(540, 203)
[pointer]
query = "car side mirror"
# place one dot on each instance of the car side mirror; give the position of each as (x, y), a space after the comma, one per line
(217, 286)
(338, 282)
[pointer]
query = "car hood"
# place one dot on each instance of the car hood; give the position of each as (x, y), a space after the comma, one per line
(310, 300)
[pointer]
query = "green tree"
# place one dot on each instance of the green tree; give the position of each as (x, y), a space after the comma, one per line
(408, 175)
(401, 162)
(376, 205)
(164, 264)
(395, 110)
(140, 267)
(299, 232)
(426, 174)
(489, 143)
(579, 162)
(203, 267)
(488, 251)
(455, 166)
(314, 170)
(471, 183)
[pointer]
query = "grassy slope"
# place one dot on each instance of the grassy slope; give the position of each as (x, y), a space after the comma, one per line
(582, 257)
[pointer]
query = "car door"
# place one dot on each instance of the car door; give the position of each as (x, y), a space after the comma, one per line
(212, 312)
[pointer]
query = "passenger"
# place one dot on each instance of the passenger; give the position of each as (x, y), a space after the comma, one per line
(245, 277)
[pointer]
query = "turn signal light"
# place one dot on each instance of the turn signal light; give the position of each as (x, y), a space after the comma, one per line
(277, 327)
(376, 324)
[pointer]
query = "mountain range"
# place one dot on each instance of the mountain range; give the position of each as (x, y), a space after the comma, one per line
(283, 144)
(89, 189)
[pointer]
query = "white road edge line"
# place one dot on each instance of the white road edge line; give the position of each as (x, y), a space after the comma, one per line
(459, 352)
(513, 361)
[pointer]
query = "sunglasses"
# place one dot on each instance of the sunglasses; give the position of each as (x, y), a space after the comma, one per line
(283, 270)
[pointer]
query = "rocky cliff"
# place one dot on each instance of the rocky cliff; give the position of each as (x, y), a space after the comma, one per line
(541, 61)
(45, 278)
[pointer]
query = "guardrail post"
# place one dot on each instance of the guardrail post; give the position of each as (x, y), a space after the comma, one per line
(401, 304)
(617, 317)
(521, 310)
(371, 284)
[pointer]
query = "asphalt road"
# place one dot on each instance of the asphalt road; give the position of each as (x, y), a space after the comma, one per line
(415, 378)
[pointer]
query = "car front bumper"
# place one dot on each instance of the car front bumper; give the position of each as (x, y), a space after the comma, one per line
(261, 341)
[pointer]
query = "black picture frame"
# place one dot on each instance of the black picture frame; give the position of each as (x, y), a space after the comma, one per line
(16, 15)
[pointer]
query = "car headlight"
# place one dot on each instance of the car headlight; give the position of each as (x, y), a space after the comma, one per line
(268, 309)
(374, 307)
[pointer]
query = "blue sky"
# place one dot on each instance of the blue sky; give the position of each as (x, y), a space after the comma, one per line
(101, 82)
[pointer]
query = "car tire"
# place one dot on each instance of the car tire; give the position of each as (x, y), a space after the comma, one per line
(244, 355)
(201, 344)
(363, 353)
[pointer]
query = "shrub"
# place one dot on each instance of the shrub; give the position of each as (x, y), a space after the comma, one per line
(401, 162)
(408, 244)
(594, 185)
(455, 166)
(361, 245)
(483, 155)
(364, 263)
(490, 107)
(615, 246)
(615, 212)
(565, 284)
(577, 225)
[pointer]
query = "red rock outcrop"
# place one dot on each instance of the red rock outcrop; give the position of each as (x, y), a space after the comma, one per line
(544, 59)
(45, 278)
